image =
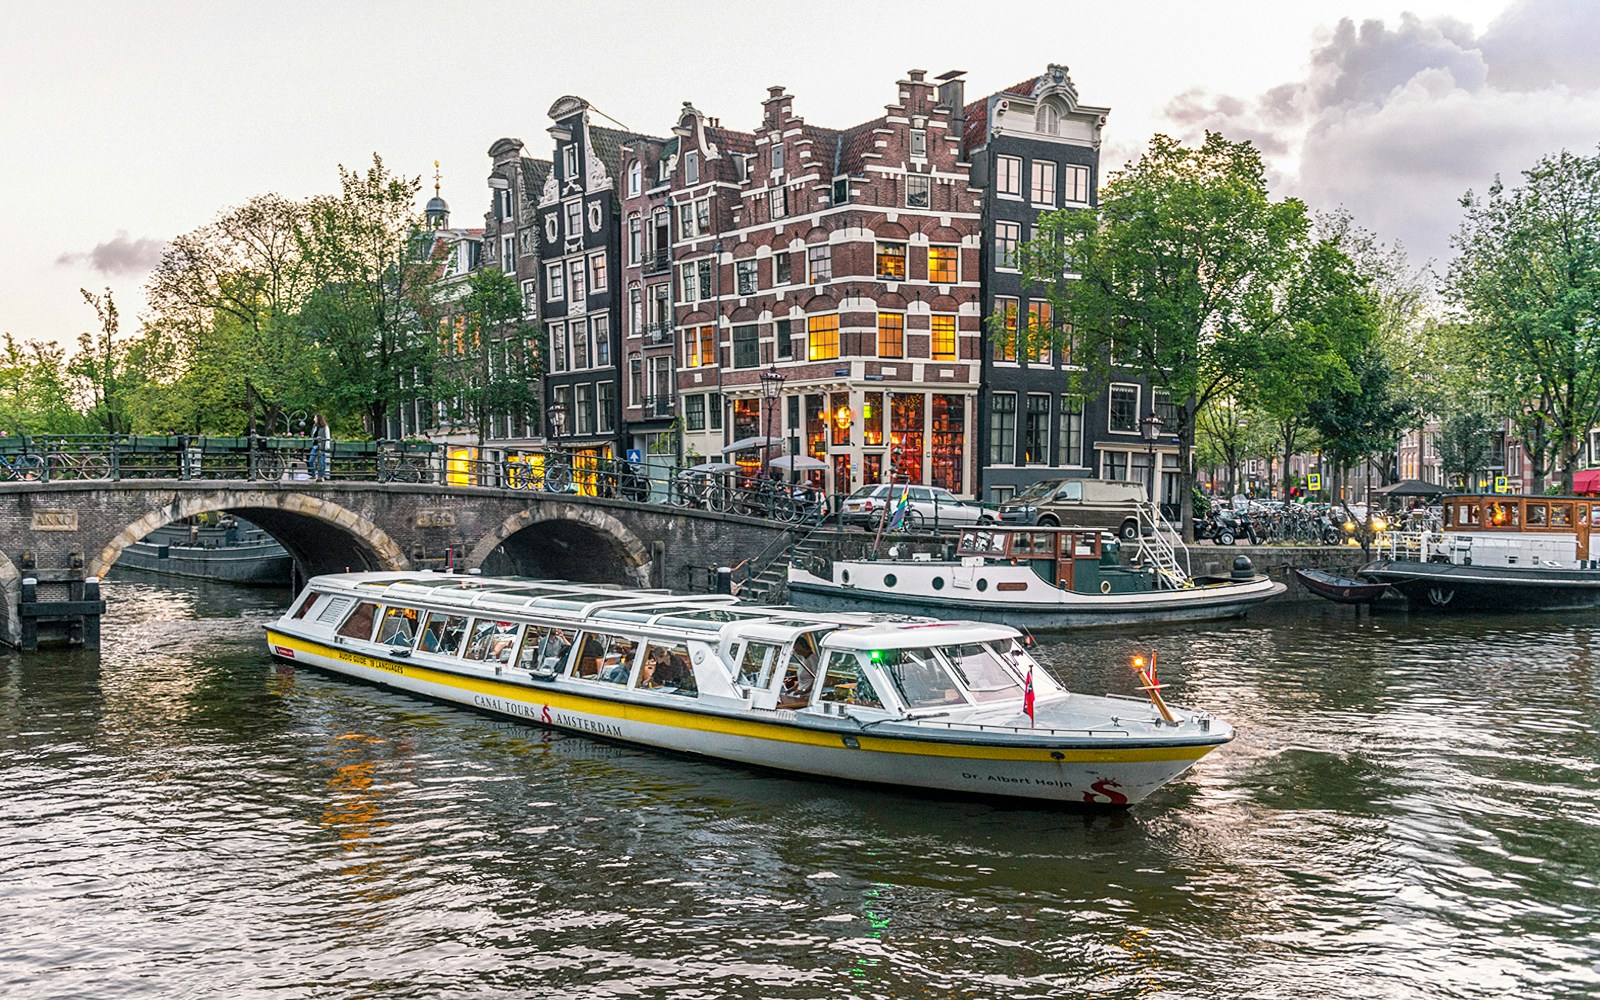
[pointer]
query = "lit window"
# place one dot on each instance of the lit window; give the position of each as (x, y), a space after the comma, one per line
(944, 265)
(823, 337)
(891, 335)
(944, 338)
(892, 261)
(1005, 343)
(1040, 330)
(597, 272)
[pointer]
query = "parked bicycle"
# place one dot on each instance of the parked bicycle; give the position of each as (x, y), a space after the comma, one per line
(398, 467)
(25, 466)
(84, 465)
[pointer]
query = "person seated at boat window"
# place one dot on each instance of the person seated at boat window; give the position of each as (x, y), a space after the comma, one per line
(502, 644)
(553, 649)
(1536, 515)
(617, 661)
(647, 672)
(797, 683)
(843, 682)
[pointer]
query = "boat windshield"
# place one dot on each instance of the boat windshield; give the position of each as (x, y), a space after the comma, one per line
(921, 678)
(983, 670)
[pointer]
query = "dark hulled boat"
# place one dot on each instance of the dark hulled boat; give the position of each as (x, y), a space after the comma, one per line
(1339, 589)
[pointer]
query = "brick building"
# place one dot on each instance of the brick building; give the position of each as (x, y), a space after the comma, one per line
(846, 260)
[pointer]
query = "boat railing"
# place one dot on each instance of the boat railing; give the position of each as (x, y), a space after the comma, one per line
(1160, 546)
(984, 727)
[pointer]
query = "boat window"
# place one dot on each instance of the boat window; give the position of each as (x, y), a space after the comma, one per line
(1538, 514)
(605, 658)
(1042, 544)
(545, 649)
(1583, 513)
(1469, 513)
(799, 673)
(305, 605)
(1021, 542)
(493, 640)
(399, 626)
(443, 633)
(359, 624)
(845, 683)
(922, 681)
(666, 669)
(1560, 515)
(983, 671)
(755, 666)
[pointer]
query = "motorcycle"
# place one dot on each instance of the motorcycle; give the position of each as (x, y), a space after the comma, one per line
(1227, 526)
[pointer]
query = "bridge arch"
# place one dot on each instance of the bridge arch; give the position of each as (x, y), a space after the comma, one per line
(322, 536)
(564, 540)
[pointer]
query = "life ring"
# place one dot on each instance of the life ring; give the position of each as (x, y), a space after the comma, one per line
(1105, 586)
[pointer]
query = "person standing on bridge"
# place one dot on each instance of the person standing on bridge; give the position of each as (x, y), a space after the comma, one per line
(321, 441)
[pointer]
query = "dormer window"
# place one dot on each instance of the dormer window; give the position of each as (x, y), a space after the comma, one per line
(1047, 120)
(569, 161)
(691, 167)
(635, 177)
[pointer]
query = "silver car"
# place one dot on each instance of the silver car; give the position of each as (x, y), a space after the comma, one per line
(926, 506)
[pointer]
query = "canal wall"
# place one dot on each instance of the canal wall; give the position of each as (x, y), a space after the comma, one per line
(1278, 562)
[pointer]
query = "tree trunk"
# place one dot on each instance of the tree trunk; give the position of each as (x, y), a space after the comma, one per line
(1186, 472)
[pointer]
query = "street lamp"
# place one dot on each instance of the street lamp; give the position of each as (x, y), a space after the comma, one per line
(771, 386)
(558, 419)
(716, 332)
(1150, 430)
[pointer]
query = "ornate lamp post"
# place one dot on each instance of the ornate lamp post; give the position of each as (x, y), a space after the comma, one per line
(557, 414)
(1150, 430)
(771, 387)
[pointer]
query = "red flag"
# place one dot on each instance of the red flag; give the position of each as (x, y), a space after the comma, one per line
(1027, 696)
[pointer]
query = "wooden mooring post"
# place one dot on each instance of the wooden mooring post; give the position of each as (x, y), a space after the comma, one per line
(59, 605)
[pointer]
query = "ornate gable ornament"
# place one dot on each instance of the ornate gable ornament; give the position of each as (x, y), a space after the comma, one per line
(551, 191)
(1056, 83)
(565, 107)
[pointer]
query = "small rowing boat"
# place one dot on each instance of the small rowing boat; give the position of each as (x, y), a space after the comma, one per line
(1338, 589)
(914, 703)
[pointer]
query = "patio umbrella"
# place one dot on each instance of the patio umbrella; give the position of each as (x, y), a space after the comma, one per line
(747, 444)
(797, 463)
(1410, 488)
(712, 467)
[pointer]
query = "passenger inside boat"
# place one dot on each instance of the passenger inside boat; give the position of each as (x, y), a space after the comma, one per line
(800, 674)
(552, 649)
(843, 682)
(443, 633)
(399, 626)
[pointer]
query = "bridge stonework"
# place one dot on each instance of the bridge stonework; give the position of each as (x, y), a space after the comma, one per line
(334, 527)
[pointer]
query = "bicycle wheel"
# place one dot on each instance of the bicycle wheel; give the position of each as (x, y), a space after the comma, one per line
(94, 467)
(28, 467)
(60, 466)
(557, 478)
(721, 498)
(269, 466)
(407, 472)
(635, 487)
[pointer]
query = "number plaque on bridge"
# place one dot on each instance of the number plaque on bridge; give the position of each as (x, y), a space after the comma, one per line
(436, 519)
(55, 520)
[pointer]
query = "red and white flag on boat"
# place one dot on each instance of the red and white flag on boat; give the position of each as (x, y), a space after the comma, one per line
(1027, 696)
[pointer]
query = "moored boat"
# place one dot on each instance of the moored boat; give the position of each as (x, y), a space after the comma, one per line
(231, 550)
(915, 703)
(1041, 579)
(1495, 552)
(1339, 589)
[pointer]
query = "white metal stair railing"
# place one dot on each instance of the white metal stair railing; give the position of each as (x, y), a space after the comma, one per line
(1160, 545)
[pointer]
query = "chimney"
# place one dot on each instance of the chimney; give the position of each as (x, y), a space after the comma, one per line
(777, 107)
(952, 91)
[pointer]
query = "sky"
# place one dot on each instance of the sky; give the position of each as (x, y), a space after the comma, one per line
(123, 125)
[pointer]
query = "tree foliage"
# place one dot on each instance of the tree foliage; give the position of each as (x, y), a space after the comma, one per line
(1526, 281)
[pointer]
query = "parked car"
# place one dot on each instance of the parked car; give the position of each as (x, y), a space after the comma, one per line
(1083, 503)
(926, 506)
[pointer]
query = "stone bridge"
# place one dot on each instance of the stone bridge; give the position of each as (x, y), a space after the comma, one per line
(337, 526)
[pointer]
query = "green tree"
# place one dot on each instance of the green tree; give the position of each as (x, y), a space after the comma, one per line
(99, 371)
(1465, 446)
(1180, 275)
(374, 309)
(490, 362)
(1526, 280)
(36, 393)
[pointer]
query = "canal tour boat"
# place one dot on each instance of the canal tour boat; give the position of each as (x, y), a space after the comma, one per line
(1495, 552)
(1040, 579)
(915, 703)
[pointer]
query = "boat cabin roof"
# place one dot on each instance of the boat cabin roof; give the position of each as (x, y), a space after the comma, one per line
(1025, 542)
(589, 604)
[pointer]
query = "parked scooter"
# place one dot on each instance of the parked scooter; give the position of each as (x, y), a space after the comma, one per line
(1225, 526)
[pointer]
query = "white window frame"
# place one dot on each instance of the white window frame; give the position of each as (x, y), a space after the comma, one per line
(691, 167)
(1138, 401)
(1075, 184)
(1007, 233)
(926, 184)
(555, 282)
(1008, 176)
(1042, 183)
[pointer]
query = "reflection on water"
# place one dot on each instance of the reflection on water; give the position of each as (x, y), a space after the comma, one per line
(1409, 810)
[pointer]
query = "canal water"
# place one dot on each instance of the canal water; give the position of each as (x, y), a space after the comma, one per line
(1412, 809)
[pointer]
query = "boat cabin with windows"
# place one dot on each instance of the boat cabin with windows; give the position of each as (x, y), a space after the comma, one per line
(1085, 560)
(1498, 529)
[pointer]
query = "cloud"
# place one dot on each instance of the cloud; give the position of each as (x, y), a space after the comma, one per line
(120, 255)
(1395, 121)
